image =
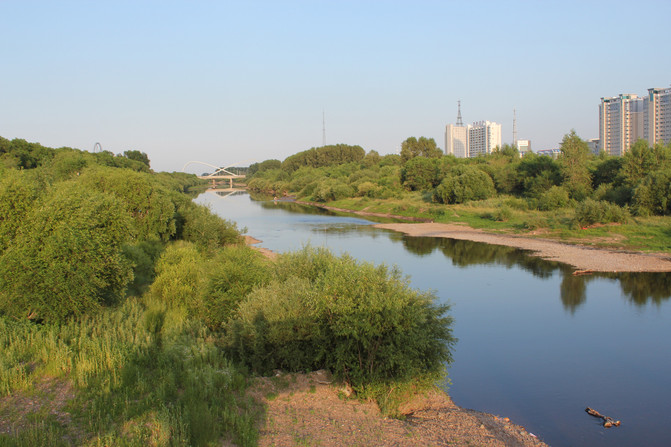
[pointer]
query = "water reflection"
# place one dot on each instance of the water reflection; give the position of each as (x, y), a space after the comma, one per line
(638, 288)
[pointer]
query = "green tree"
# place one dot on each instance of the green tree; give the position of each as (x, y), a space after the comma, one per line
(66, 259)
(574, 166)
(463, 184)
(422, 147)
(137, 156)
(146, 201)
(420, 174)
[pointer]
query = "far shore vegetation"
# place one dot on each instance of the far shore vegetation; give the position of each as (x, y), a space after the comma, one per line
(615, 202)
(132, 316)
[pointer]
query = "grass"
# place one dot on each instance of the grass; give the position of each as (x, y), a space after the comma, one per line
(133, 383)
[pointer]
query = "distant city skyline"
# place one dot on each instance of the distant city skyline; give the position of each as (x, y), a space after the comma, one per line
(222, 82)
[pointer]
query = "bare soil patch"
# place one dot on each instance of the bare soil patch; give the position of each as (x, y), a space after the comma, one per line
(579, 256)
(307, 409)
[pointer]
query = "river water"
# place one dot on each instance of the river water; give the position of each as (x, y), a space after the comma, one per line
(536, 344)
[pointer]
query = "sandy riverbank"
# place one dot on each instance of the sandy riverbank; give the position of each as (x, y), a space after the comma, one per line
(580, 257)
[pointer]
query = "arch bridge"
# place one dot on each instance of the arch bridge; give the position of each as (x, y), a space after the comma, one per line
(219, 173)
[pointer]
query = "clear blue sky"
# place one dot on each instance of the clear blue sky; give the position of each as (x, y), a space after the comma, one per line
(224, 82)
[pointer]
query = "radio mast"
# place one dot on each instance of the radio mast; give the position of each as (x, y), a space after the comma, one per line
(514, 128)
(323, 128)
(460, 123)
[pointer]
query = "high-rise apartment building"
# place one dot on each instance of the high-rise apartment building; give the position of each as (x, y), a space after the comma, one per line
(657, 122)
(483, 138)
(624, 119)
(456, 140)
(472, 140)
(620, 123)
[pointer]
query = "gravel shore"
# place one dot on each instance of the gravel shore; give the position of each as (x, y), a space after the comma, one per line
(580, 257)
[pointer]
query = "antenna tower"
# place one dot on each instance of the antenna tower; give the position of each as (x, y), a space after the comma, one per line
(514, 127)
(460, 123)
(323, 128)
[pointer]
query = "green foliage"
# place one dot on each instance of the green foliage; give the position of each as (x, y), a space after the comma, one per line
(331, 189)
(465, 183)
(18, 192)
(574, 168)
(231, 275)
(554, 198)
(180, 276)
(137, 156)
(653, 194)
(537, 173)
(197, 224)
(361, 321)
(142, 256)
(144, 199)
(143, 375)
(422, 147)
(420, 174)
(324, 156)
(66, 259)
(265, 165)
(590, 212)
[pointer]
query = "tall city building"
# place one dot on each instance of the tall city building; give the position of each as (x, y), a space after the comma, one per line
(621, 123)
(471, 140)
(626, 118)
(456, 140)
(483, 138)
(657, 122)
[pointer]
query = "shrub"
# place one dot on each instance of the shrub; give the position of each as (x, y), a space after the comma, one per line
(554, 198)
(653, 194)
(463, 184)
(361, 321)
(66, 259)
(208, 231)
(590, 212)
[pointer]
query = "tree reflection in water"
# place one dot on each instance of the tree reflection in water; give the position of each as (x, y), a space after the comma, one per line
(639, 288)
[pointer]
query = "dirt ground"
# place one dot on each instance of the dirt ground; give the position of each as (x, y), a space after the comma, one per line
(581, 257)
(309, 410)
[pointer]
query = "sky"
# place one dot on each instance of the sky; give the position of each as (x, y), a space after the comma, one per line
(234, 82)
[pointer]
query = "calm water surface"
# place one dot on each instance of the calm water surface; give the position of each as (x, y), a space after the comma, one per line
(536, 343)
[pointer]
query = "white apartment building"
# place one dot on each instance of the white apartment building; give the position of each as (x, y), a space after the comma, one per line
(657, 121)
(456, 140)
(523, 147)
(626, 118)
(621, 123)
(479, 138)
(483, 138)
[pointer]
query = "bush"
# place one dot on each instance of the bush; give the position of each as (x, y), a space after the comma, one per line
(590, 212)
(463, 184)
(653, 194)
(66, 259)
(554, 198)
(362, 322)
(208, 231)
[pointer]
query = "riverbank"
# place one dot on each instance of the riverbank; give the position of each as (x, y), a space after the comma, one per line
(307, 409)
(578, 256)
(311, 409)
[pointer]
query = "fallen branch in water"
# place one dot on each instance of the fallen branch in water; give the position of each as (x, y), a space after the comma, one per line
(607, 421)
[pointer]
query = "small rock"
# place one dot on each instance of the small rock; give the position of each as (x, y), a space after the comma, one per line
(482, 426)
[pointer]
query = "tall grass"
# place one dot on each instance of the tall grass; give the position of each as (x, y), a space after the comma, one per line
(144, 374)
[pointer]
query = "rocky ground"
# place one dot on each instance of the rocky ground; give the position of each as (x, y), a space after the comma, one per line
(309, 410)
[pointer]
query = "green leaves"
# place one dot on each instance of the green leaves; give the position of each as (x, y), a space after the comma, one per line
(66, 259)
(361, 321)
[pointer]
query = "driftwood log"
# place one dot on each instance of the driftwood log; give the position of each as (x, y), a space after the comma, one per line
(607, 421)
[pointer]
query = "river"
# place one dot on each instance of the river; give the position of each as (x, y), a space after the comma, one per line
(536, 343)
